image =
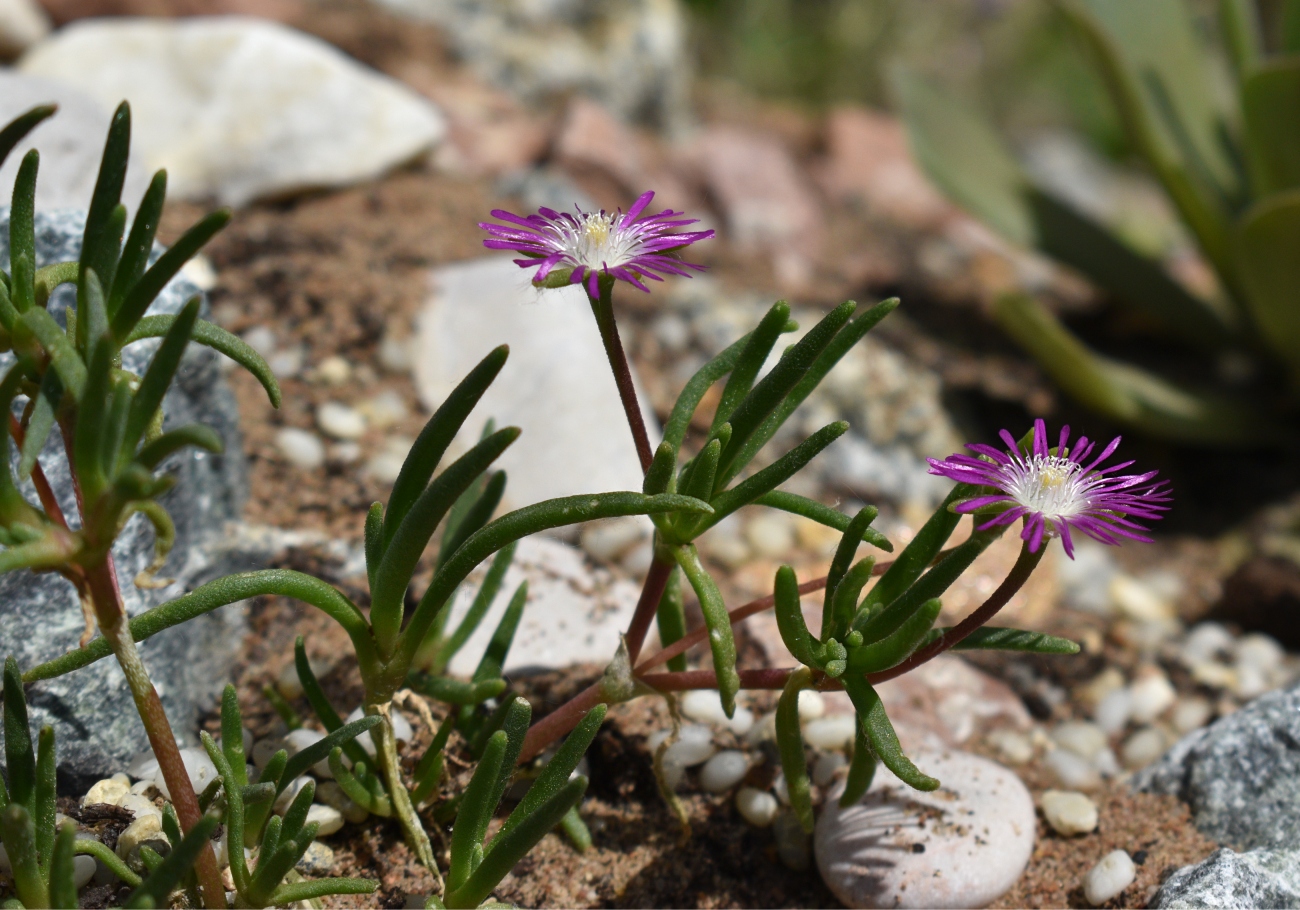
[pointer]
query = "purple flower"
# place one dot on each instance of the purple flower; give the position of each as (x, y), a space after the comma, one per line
(1059, 492)
(628, 247)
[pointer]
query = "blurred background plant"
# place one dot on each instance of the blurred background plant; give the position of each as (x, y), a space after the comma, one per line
(1213, 124)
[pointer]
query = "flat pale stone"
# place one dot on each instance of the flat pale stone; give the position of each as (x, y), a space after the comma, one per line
(962, 845)
(575, 611)
(556, 385)
(241, 108)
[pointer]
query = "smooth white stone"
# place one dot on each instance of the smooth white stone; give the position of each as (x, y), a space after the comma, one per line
(1191, 713)
(261, 338)
(109, 791)
(387, 464)
(1106, 762)
(143, 787)
(1071, 771)
(300, 739)
(283, 801)
(22, 24)
(687, 753)
(1138, 600)
(1259, 650)
(1080, 737)
(763, 730)
(1251, 681)
(333, 370)
(771, 534)
(811, 705)
(198, 766)
(402, 731)
(723, 771)
(975, 836)
(1206, 641)
(826, 767)
(758, 807)
(384, 409)
(340, 421)
(286, 363)
(301, 448)
(318, 858)
(138, 805)
(1109, 877)
(329, 819)
(1069, 811)
(828, 733)
(1013, 747)
(329, 793)
(395, 353)
(781, 789)
(1152, 694)
(143, 766)
(241, 108)
(741, 722)
(609, 539)
(704, 705)
(547, 387)
(344, 453)
(146, 829)
(1142, 748)
(1112, 712)
(83, 870)
(264, 750)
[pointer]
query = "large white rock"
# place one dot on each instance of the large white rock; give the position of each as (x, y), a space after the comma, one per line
(556, 385)
(575, 611)
(71, 143)
(962, 845)
(22, 24)
(240, 108)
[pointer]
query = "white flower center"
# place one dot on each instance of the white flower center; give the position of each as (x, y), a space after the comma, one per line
(597, 241)
(1048, 484)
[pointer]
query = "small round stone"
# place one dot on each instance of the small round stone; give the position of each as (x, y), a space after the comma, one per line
(138, 805)
(1013, 747)
(826, 767)
(608, 540)
(1191, 713)
(198, 766)
(330, 793)
(758, 807)
(109, 791)
(301, 448)
(763, 730)
(723, 771)
(1080, 737)
(771, 535)
(1109, 877)
(830, 733)
(1072, 771)
(704, 705)
(1112, 712)
(811, 705)
(261, 339)
(285, 799)
(334, 370)
(1152, 693)
(264, 750)
(1069, 812)
(318, 859)
(145, 830)
(687, 753)
(83, 870)
(340, 421)
(384, 409)
(1142, 748)
(1260, 651)
(962, 845)
(395, 354)
(1206, 641)
(329, 819)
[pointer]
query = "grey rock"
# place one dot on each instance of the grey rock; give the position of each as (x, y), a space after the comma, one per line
(1260, 878)
(96, 726)
(71, 144)
(631, 55)
(1240, 775)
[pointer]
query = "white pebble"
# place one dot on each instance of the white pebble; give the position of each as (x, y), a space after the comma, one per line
(395, 354)
(1138, 600)
(704, 705)
(283, 801)
(330, 793)
(608, 540)
(1206, 641)
(301, 448)
(340, 421)
(1069, 812)
(402, 731)
(200, 271)
(288, 684)
(828, 733)
(1214, 674)
(109, 791)
(138, 805)
(723, 771)
(811, 705)
(261, 339)
(198, 766)
(1251, 681)
(334, 370)
(83, 870)
(1101, 685)
(1112, 712)
(344, 453)
(264, 750)
(636, 561)
(781, 789)
(687, 753)
(826, 767)
(329, 819)
(771, 534)
(143, 766)
(758, 807)
(387, 465)
(1082, 738)
(384, 409)
(147, 829)
(1152, 693)
(300, 739)
(1191, 714)
(763, 730)
(1106, 762)
(1016, 748)
(1071, 771)
(741, 722)
(286, 363)
(1259, 650)
(1142, 748)
(144, 788)
(1109, 877)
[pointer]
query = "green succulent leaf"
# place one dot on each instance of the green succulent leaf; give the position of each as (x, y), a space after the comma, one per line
(862, 767)
(752, 357)
(884, 741)
(139, 242)
(789, 742)
(221, 341)
(722, 642)
(997, 638)
(156, 889)
(14, 131)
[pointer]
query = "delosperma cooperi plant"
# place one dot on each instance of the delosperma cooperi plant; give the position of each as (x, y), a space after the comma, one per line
(878, 616)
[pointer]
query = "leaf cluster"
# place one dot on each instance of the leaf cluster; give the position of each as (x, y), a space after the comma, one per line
(1229, 162)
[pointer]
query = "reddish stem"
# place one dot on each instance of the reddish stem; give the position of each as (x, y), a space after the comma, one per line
(603, 307)
(559, 722)
(652, 591)
(43, 489)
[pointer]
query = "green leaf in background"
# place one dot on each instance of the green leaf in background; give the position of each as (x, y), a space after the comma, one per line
(1270, 109)
(1268, 251)
(1239, 20)
(1125, 393)
(20, 126)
